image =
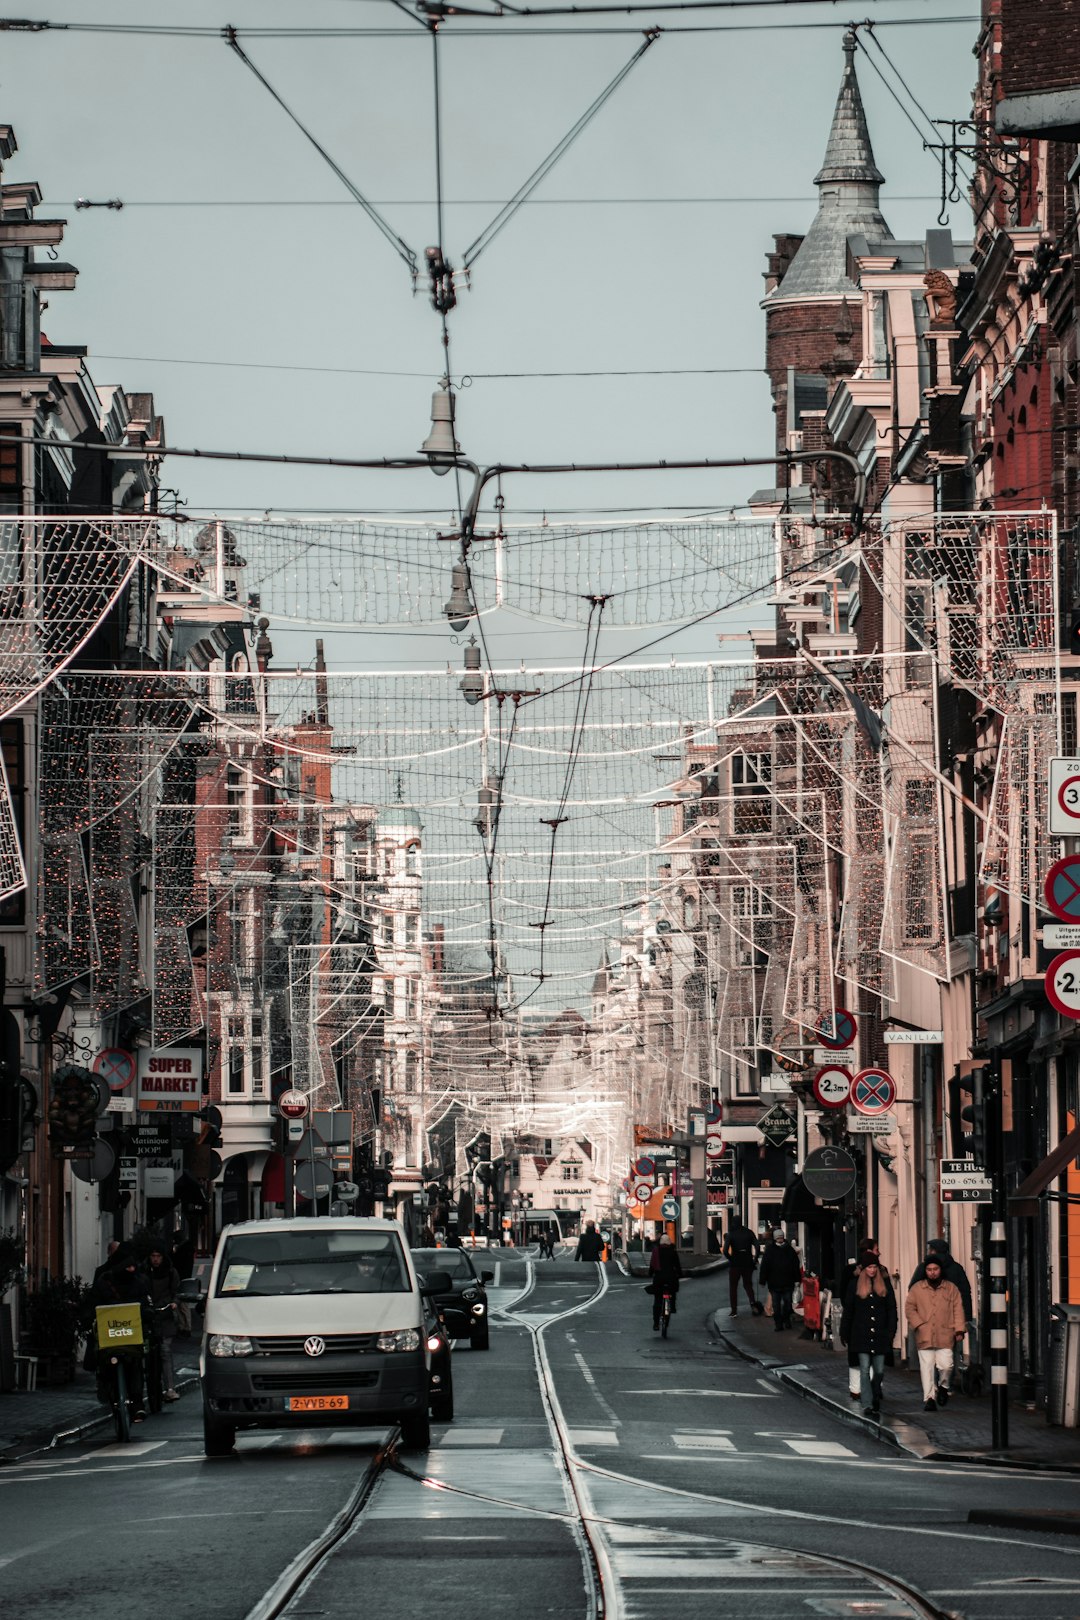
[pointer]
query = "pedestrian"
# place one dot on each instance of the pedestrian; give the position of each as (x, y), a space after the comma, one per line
(935, 1311)
(163, 1280)
(665, 1269)
(869, 1246)
(780, 1271)
(426, 1240)
(951, 1270)
(548, 1242)
(741, 1250)
(868, 1328)
(590, 1243)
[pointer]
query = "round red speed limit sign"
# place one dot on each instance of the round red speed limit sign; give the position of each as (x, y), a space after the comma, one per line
(832, 1086)
(1063, 984)
(293, 1105)
(1068, 796)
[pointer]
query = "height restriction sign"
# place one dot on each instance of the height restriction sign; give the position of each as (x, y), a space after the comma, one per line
(1065, 796)
(1063, 984)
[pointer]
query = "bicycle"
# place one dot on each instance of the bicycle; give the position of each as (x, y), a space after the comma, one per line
(155, 1382)
(666, 1307)
(120, 1342)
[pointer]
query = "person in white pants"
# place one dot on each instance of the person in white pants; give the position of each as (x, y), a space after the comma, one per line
(935, 1313)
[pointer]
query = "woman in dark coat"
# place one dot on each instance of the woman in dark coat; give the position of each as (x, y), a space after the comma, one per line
(665, 1269)
(868, 1328)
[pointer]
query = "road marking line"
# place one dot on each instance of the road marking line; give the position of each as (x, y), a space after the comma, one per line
(473, 1437)
(139, 1449)
(703, 1442)
(818, 1448)
(593, 1437)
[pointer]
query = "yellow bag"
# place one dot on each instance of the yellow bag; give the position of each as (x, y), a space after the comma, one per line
(119, 1327)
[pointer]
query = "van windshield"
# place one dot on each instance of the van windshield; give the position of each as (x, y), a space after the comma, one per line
(322, 1261)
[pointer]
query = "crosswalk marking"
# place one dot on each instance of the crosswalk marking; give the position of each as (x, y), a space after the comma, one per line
(139, 1449)
(593, 1437)
(472, 1437)
(819, 1448)
(703, 1442)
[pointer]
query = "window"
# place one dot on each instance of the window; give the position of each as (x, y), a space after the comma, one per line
(10, 480)
(748, 900)
(234, 800)
(751, 773)
(258, 1056)
(236, 1078)
(13, 910)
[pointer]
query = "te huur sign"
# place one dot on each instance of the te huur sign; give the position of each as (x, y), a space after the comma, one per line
(170, 1080)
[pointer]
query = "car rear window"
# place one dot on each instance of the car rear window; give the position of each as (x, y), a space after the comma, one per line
(322, 1261)
(451, 1260)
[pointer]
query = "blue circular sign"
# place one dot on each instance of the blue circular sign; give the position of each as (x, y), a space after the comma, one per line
(669, 1209)
(1062, 889)
(837, 1029)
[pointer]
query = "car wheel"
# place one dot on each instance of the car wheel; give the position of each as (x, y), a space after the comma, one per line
(481, 1339)
(416, 1431)
(218, 1438)
(442, 1407)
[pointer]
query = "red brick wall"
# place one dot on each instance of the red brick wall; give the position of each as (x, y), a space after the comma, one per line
(803, 336)
(1040, 45)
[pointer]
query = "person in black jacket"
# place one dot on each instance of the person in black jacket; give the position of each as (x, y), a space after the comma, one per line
(590, 1243)
(780, 1271)
(665, 1269)
(741, 1249)
(120, 1282)
(868, 1327)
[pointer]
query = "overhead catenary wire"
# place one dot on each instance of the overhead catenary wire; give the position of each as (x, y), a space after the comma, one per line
(401, 247)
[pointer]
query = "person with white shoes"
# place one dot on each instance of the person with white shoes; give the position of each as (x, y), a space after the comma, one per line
(935, 1313)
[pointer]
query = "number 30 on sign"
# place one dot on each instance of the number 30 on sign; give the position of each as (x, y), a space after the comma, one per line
(1063, 984)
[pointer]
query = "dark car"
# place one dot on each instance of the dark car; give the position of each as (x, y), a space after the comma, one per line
(441, 1374)
(465, 1308)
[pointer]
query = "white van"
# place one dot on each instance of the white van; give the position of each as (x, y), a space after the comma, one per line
(311, 1322)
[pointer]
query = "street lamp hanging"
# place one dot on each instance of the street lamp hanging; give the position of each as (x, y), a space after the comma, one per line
(459, 608)
(472, 682)
(440, 446)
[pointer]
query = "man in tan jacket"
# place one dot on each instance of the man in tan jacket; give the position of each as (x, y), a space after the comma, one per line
(935, 1312)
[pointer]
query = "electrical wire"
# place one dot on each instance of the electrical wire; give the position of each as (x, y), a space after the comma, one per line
(401, 247)
(509, 209)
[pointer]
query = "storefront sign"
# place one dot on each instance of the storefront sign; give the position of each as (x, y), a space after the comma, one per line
(170, 1080)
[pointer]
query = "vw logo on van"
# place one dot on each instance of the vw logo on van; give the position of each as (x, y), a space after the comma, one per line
(314, 1346)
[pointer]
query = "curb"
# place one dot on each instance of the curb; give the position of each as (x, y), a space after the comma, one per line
(1062, 1524)
(48, 1437)
(913, 1442)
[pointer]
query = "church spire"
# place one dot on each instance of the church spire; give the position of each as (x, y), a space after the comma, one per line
(848, 183)
(849, 155)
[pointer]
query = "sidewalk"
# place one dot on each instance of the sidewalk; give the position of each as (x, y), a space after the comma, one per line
(33, 1420)
(960, 1432)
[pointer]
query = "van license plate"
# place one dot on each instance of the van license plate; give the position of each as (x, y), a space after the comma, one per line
(317, 1403)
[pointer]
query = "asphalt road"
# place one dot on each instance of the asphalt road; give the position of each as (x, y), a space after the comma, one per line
(710, 1489)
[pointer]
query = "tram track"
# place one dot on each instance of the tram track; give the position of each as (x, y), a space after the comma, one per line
(605, 1598)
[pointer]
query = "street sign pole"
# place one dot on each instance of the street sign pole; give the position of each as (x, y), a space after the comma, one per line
(999, 1306)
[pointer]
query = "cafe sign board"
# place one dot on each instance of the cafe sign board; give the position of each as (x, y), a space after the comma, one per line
(170, 1079)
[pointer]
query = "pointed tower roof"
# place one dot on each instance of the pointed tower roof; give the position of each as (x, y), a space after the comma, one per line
(849, 182)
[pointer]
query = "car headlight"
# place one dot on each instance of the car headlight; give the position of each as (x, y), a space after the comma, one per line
(403, 1339)
(229, 1344)
(434, 1342)
(470, 1294)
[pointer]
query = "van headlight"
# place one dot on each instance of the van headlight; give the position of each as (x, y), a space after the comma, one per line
(403, 1339)
(229, 1344)
(469, 1294)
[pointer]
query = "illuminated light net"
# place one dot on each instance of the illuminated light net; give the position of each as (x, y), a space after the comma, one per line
(57, 583)
(978, 590)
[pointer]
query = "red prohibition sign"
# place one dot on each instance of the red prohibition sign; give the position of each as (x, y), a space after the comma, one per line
(116, 1067)
(1073, 783)
(874, 1092)
(1063, 984)
(1061, 889)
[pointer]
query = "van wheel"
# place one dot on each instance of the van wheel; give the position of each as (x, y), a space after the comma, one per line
(481, 1339)
(416, 1431)
(218, 1438)
(442, 1407)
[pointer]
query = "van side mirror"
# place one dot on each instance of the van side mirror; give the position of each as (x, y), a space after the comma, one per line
(487, 1276)
(191, 1292)
(436, 1282)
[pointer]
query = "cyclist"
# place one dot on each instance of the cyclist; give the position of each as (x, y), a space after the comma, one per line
(120, 1282)
(164, 1283)
(665, 1269)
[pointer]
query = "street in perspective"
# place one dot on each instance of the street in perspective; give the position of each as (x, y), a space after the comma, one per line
(540, 810)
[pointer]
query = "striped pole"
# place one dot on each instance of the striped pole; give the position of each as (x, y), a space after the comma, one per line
(999, 1328)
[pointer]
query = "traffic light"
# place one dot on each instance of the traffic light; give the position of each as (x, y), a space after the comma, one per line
(73, 1109)
(967, 1115)
(210, 1135)
(11, 1132)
